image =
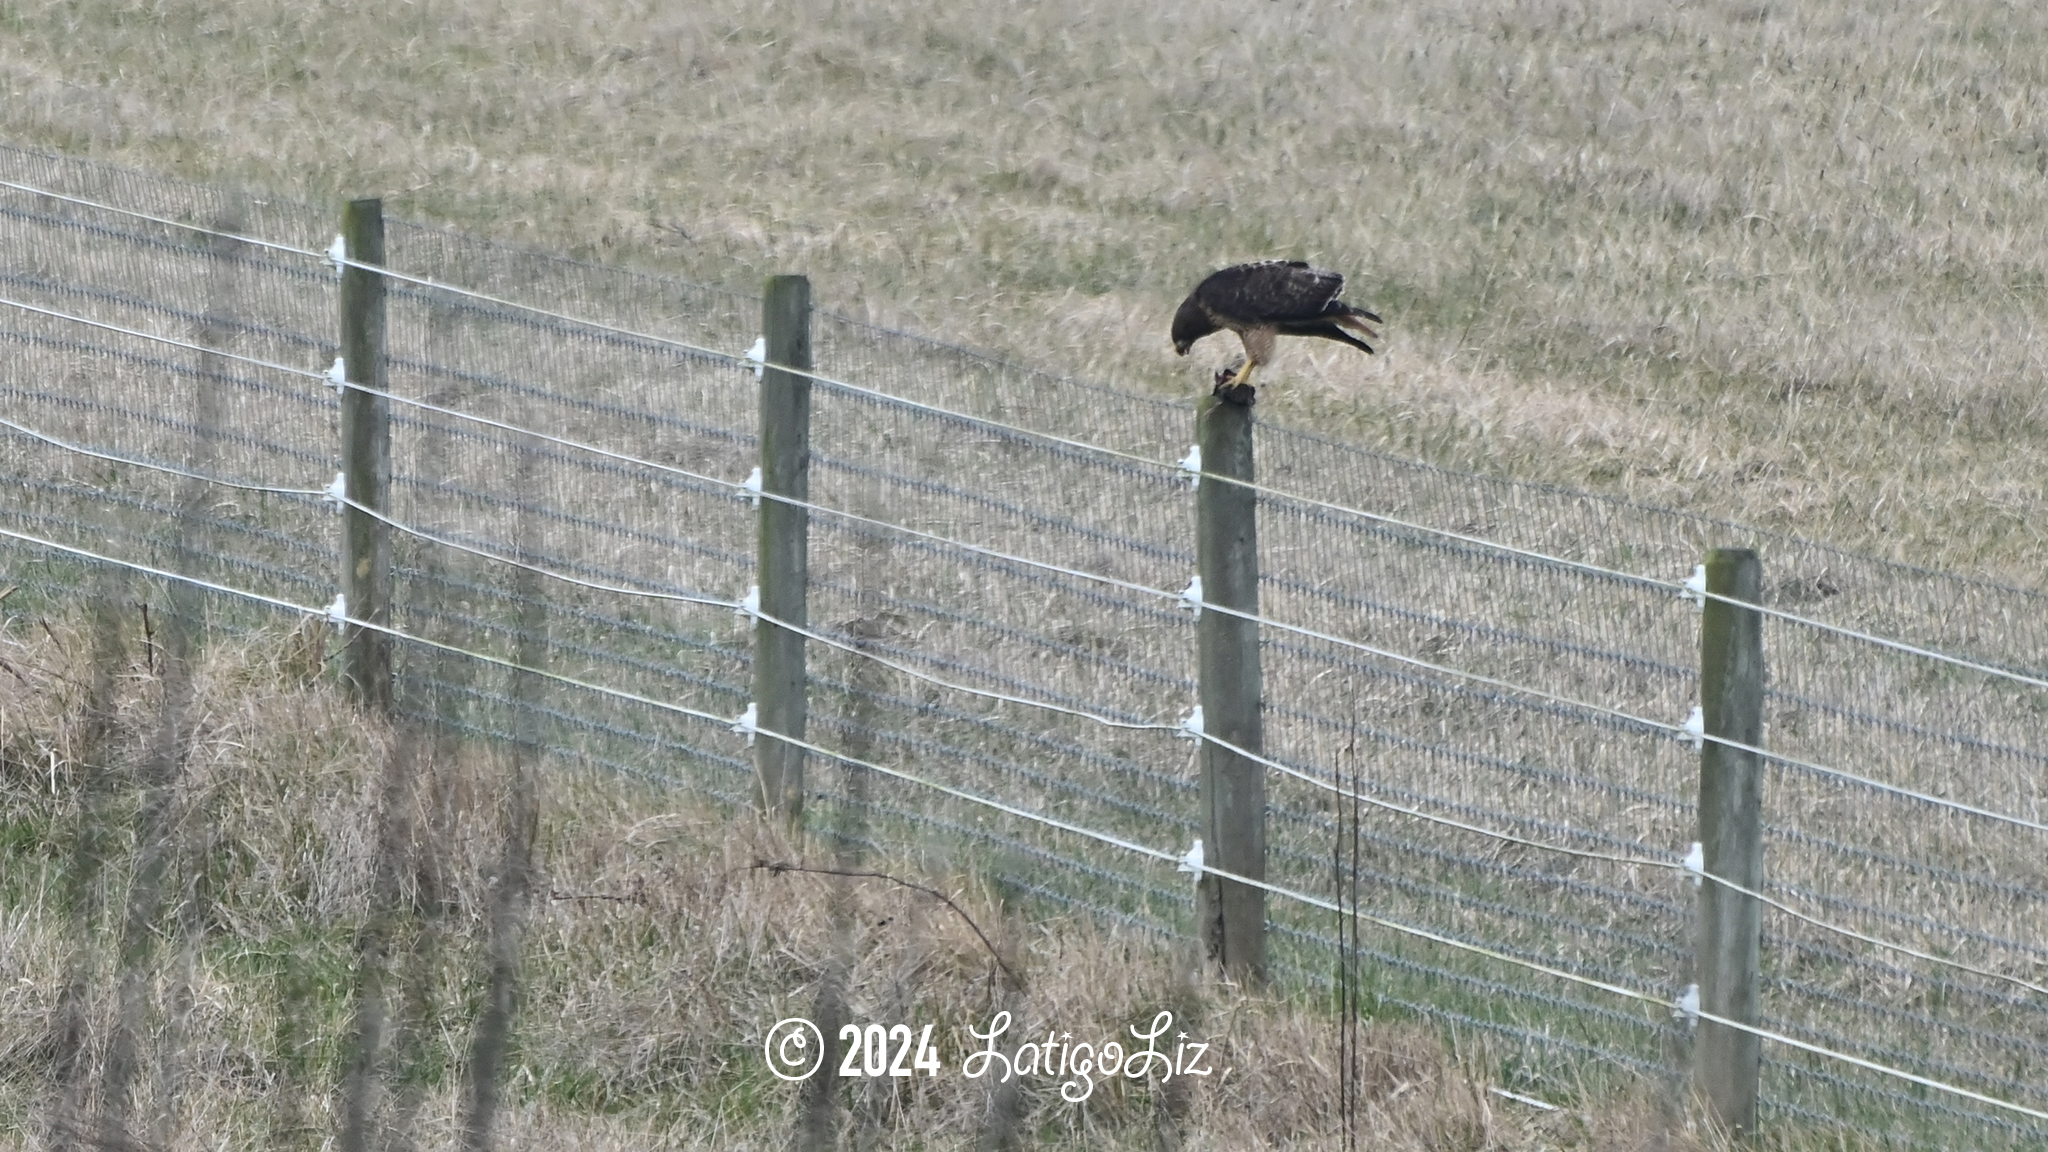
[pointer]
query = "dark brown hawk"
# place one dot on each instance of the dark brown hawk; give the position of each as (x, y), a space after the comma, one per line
(1267, 299)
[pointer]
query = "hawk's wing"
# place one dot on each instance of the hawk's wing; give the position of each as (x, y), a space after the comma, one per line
(1270, 291)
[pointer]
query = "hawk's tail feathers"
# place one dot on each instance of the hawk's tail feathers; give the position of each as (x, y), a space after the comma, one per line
(1329, 330)
(1356, 319)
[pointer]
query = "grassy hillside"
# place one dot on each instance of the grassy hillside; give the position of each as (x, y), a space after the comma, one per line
(1775, 262)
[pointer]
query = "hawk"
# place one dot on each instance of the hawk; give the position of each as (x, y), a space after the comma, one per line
(1267, 299)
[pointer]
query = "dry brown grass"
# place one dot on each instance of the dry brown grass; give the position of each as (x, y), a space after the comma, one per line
(1780, 263)
(655, 958)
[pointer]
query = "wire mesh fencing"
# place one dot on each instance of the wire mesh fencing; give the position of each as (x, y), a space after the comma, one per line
(996, 561)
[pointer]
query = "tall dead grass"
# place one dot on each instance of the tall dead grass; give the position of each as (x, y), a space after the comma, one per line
(320, 872)
(1774, 262)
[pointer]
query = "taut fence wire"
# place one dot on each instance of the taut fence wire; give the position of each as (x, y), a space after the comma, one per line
(996, 555)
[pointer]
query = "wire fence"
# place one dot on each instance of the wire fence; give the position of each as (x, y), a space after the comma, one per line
(995, 564)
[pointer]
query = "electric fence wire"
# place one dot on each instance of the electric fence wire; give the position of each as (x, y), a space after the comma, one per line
(1687, 867)
(1687, 589)
(173, 341)
(1676, 730)
(1692, 590)
(112, 458)
(751, 608)
(709, 480)
(1053, 822)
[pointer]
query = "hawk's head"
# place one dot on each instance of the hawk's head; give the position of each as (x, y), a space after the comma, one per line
(1190, 324)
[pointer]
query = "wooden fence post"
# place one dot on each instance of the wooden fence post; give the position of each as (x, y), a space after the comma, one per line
(783, 558)
(365, 460)
(1725, 1060)
(1232, 915)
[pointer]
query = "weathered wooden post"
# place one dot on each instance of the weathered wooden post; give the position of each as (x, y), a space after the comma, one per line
(365, 460)
(1232, 915)
(1725, 1060)
(784, 555)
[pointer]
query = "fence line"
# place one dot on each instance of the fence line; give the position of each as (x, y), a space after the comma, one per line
(340, 260)
(111, 458)
(749, 608)
(1681, 731)
(1184, 729)
(1181, 729)
(1688, 867)
(253, 241)
(173, 341)
(1190, 861)
(1684, 590)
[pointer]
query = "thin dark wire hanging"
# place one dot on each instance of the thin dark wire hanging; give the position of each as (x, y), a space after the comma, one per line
(1346, 845)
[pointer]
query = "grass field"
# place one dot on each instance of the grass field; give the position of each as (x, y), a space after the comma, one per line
(1775, 262)
(1779, 265)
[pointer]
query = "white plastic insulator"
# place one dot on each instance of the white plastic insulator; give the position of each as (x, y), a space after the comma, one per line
(1191, 596)
(337, 253)
(338, 491)
(1688, 1006)
(752, 486)
(744, 725)
(1191, 725)
(1696, 587)
(750, 604)
(1518, 1098)
(337, 374)
(1696, 862)
(758, 354)
(337, 612)
(1192, 861)
(1192, 463)
(1696, 728)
